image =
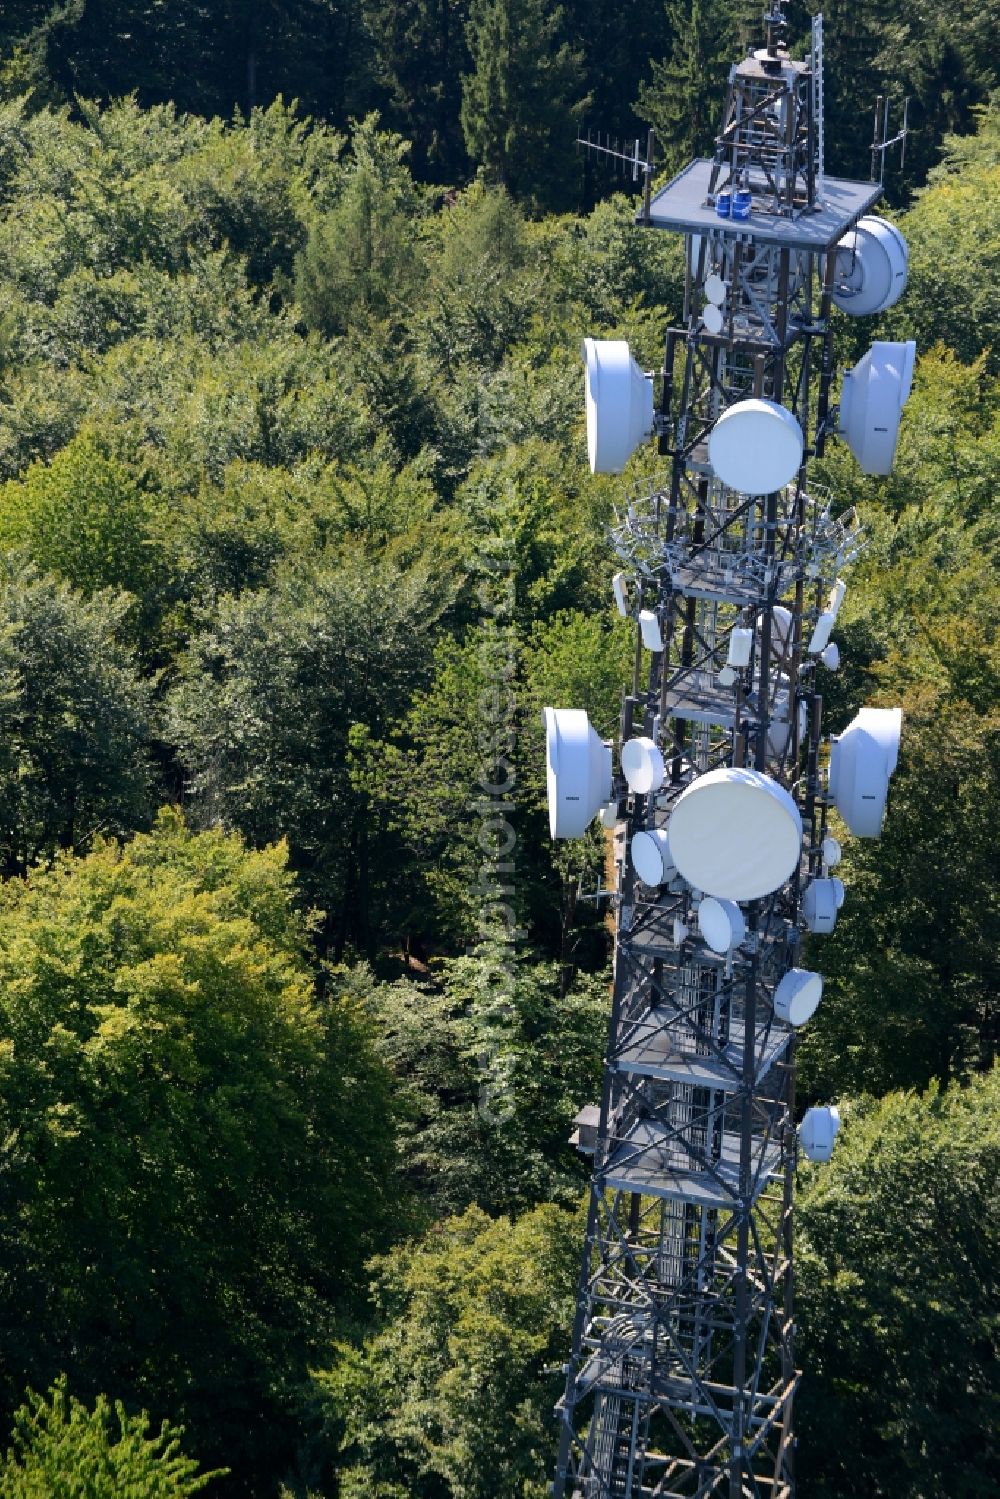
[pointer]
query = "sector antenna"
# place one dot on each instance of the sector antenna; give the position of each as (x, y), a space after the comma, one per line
(726, 802)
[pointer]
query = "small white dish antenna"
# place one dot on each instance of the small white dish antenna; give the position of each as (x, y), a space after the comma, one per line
(830, 656)
(735, 834)
(649, 626)
(711, 316)
(740, 646)
(862, 762)
(831, 851)
(871, 404)
(721, 924)
(872, 267)
(642, 766)
(619, 404)
(819, 905)
(620, 592)
(756, 447)
(727, 676)
(578, 771)
(651, 859)
(797, 996)
(715, 289)
(818, 1132)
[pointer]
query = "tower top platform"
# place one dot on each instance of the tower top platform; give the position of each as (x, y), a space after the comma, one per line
(682, 206)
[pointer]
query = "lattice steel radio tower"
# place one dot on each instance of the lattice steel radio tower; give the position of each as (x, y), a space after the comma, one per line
(682, 1373)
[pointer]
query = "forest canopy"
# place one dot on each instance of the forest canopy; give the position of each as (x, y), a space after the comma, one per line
(297, 536)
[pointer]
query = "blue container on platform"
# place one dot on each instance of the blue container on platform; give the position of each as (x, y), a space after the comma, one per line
(724, 205)
(741, 205)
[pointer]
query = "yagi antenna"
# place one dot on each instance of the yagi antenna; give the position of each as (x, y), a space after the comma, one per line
(881, 142)
(628, 161)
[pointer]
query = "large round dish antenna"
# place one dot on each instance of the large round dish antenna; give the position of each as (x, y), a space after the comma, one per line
(619, 404)
(756, 447)
(872, 265)
(735, 834)
(797, 996)
(862, 762)
(578, 771)
(871, 404)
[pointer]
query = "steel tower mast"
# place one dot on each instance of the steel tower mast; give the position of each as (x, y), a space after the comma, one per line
(682, 1374)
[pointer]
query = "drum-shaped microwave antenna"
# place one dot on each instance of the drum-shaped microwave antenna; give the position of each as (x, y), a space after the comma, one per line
(642, 766)
(871, 404)
(578, 766)
(818, 1132)
(797, 996)
(756, 446)
(862, 762)
(619, 404)
(735, 834)
(651, 858)
(820, 905)
(721, 924)
(871, 269)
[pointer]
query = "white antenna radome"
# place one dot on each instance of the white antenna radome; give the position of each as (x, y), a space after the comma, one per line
(756, 447)
(818, 1132)
(871, 268)
(735, 834)
(871, 404)
(821, 901)
(642, 766)
(578, 771)
(650, 853)
(862, 762)
(797, 996)
(721, 923)
(619, 404)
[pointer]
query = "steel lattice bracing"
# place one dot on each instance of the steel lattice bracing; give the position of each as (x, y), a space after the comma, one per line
(682, 1373)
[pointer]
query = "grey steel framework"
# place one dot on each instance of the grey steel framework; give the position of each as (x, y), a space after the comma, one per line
(682, 1372)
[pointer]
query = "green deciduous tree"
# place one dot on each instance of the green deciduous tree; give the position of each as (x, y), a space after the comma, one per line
(76, 720)
(454, 1396)
(897, 1240)
(63, 1450)
(493, 1057)
(283, 694)
(199, 1151)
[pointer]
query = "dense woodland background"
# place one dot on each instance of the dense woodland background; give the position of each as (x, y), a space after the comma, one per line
(293, 475)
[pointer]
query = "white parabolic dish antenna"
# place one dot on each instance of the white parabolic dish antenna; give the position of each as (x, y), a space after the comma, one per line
(818, 1132)
(735, 834)
(642, 766)
(578, 771)
(619, 404)
(721, 924)
(651, 858)
(862, 761)
(756, 447)
(871, 404)
(871, 269)
(797, 996)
